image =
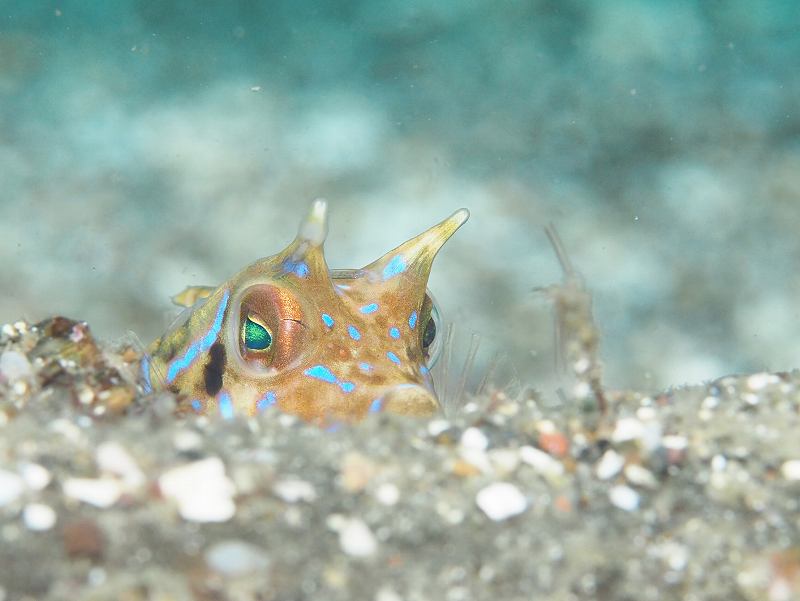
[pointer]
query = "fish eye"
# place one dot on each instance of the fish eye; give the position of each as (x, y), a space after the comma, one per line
(431, 331)
(255, 335)
(430, 334)
(266, 332)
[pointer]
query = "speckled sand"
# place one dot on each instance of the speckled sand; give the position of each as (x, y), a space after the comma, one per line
(105, 494)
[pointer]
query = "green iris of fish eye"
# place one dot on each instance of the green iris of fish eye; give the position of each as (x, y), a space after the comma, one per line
(256, 336)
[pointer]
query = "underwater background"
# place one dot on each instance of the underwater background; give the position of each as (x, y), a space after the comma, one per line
(148, 145)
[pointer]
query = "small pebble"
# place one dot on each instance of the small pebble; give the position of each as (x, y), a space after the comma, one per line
(624, 497)
(627, 428)
(674, 442)
(474, 439)
(356, 539)
(236, 558)
(791, 469)
(187, 441)
(14, 366)
(100, 492)
(85, 395)
(646, 433)
(761, 380)
(505, 461)
(201, 490)
(465, 469)
(437, 426)
(293, 490)
(36, 477)
(386, 593)
(113, 458)
(640, 476)
(356, 471)
(543, 463)
(38, 517)
(675, 555)
(83, 538)
(11, 487)
(610, 465)
(501, 500)
(477, 460)
(554, 442)
(581, 390)
(387, 494)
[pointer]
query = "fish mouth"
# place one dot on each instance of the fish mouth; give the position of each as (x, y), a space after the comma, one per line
(410, 399)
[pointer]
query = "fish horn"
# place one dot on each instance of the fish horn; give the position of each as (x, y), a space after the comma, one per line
(305, 256)
(416, 256)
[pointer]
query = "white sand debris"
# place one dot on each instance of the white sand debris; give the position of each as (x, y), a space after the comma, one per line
(236, 558)
(387, 494)
(201, 490)
(501, 500)
(624, 497)
(36, 477)
(293, 490)
(14, 366)
(761, 380)
(609, 465)
(355, 537)
(474, 439)
(791, 469)
(11, 487)
(640, 476)
(38, 517)
(113, 458)
(542, 462)
(100, 492)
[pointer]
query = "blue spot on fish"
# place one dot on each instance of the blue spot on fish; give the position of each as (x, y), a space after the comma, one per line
(365, 366)
(299, 268)
(225, 406)
(326, 375)
(197, 405)
(354, 333)
(147, 386)
(267, 400)
(394, 333)
(423, 370)
(321, 373)
(327, 319)
(393, 358)
(412, 320)
(202, 345)
(376, 405)
(394, 267)
(370, 308)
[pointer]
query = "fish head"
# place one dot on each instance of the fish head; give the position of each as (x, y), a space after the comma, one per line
(327, 345)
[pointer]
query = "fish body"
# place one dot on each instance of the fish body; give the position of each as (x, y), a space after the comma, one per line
(327, 345)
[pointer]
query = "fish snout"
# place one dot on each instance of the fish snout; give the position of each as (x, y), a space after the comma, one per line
(410, 399)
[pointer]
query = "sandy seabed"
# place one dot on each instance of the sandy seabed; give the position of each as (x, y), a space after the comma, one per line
(106, 493)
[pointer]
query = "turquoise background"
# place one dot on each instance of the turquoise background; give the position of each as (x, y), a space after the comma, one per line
(147, 145)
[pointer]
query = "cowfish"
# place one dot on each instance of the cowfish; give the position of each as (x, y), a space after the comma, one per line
(287, 333)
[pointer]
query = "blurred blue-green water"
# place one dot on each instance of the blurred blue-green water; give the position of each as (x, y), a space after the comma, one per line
(147, 145)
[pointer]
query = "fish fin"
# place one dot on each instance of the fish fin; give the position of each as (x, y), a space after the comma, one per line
(146, 372)
(189, 296)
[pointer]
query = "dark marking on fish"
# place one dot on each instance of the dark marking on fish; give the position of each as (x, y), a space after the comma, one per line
(212, 374)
